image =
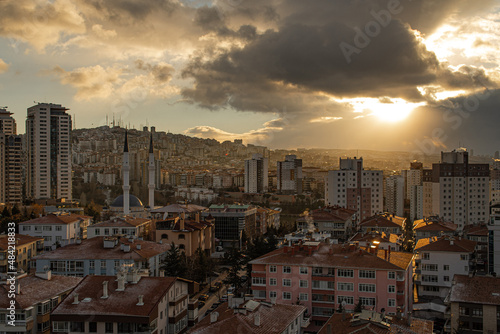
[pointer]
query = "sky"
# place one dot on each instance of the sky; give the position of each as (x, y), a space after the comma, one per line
(412, 75)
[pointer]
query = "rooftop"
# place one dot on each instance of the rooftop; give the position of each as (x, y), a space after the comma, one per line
(329, 213)
(274, 319)
(21, 239)
(448, 244)
(122, 222)
(179, 208)
(93, 249)
(423, 225)
(475, 290)
(52, 219)
(34, 289)
(385, 220)
(118, 303)
(339, 256)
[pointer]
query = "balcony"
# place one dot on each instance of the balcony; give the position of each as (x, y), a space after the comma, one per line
(306, 321)
(400, 278)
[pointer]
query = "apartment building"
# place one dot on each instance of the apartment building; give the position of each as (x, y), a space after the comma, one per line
(10, 160)
(36, 296)
(322, 277)
(438, 260)
(394, 194)
(125, 303)
(289, 175)
(338, 221)
(474, 305)
(48, 128)
(126, 226)
(256, 174)
(104, 256)
(60, 229)
(27, 247)
(383, 223)
(355, 188)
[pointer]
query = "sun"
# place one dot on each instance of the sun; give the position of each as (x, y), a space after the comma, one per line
(385, 109)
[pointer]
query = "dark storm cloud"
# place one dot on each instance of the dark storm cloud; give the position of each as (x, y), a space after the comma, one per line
(161, 72)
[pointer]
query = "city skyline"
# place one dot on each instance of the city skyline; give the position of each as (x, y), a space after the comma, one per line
(385, 75)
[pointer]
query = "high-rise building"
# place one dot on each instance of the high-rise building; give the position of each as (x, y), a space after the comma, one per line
(495, 182)
(394, 194)
(10, 160)
(355, 188)
(48, 128)
(256, 174)
(289, 175)
(463, 188)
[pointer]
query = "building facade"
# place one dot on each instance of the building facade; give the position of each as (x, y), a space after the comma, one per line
(289, 175)
(256, 174)
(355, 188)
(27, 247)
(48, 130)
(10, 160)
(394, 194)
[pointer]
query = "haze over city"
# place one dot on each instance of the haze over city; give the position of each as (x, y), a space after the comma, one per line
(388, 75)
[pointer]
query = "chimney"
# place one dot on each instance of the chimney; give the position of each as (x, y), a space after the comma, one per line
(75, 300)
(213, 317)
(121, 283)
(141, 300)
(162, 273)
(46, 275)
(105, 290)
(181, 222)
(256, 319)
(451, 242)
(385, 253)
(138, 246)
(126, 248)
(17, 287)
(197, 217)
(293, 250)
(329, 329)
(310, 251)
(78, 241)
(273, 300)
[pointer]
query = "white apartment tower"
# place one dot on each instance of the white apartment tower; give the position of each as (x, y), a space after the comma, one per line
(394, 195)
(10, 160)
(289, 175)
(256, 174)
(48, 128)
(463, 188)
(354, 188)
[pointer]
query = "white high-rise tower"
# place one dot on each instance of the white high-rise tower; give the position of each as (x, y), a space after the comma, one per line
(126, 171)
(151, 168)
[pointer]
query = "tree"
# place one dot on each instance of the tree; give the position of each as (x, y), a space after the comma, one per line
(359, 306)
(174, 264)
(202, 266)
(6, 212)
(234, 258)
(93, 210)
(408, 236)
(15, 210)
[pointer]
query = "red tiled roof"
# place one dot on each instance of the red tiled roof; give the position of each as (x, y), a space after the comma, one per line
(94, 249)
(274, 319)
(476, 230)
(35, 290)
(342, 257)
(383, 221)
(423, 226)
(118, 303)
(449, 244)
(475, 290)
(52, 219)
(21, 239)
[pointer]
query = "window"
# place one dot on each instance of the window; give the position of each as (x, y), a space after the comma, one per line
(58, 228)
(287, 295)
(60, 326)
(430, 267)
(109, 327)
(446, 267)
(464, 257)
(303, 283)
(317, 271)
(272, 281)
(391, 288)
(303, 296)
(425, 256)
(287, 282)
(345, 286)
(391, 302)
(287, 270)
(429, 278)
(348, 300)
(272, 294)
(303, 270)
(345, 273)
(272, 269)
(77, 326)
(367, 274)
(446, 278)
(44, 308)
(259, 281)
(97, 231)
(366, 287)
(91, 264)
(92, 327)
(117, 263)
(47, 228)
(103, 264)
(367, 301)
(477, 312)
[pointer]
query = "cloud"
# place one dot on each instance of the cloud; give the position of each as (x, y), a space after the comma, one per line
(262, 136)
(325, 119)
(118, 82)
(3, 66)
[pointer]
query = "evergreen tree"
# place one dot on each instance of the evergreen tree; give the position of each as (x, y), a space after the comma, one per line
(408, 236)
(234, 258)
(6, 212)
(174, 264)
(15, 210)
(359, 307)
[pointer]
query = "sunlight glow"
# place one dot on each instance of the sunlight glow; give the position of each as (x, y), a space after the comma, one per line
(388, 110)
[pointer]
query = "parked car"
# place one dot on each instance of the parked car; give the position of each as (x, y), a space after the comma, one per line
(218, 285)
(223, 298)
(203, 297)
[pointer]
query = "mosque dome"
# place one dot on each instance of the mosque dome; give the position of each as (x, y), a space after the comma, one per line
(134, 202)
